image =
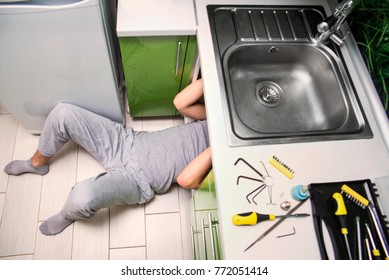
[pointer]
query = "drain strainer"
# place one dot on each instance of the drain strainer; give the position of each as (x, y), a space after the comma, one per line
(269, 94)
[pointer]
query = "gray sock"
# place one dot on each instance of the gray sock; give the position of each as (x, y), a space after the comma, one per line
(55, 224)
(18, 167)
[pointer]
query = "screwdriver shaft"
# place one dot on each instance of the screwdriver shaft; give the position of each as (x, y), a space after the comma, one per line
(294, 215)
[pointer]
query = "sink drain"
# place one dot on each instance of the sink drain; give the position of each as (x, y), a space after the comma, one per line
(268, 94)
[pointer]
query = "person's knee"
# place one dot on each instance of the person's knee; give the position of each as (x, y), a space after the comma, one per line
(82, 202)
(61, 108)
(63, 115)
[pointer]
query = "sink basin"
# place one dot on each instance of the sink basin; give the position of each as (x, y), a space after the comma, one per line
(287, 89)
(283, 87)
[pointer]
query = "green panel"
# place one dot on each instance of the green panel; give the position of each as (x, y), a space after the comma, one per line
(150, 73)
(205, 196)
(202, 203)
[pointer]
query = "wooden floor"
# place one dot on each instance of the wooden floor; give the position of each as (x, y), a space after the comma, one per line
(157, 230)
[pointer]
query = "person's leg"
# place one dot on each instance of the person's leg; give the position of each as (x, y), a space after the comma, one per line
(87, 197)
(98, 135)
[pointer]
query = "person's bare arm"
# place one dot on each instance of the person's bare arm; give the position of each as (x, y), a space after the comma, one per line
(195, 172)
(186, 101)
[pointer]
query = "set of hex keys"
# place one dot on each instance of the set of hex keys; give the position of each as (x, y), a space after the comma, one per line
(266, 181)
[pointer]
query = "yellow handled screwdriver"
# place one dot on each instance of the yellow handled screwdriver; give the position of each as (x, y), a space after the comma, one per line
(341, 213)
(253, 218)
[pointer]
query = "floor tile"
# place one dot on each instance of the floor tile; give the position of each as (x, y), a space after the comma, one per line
(167, 202)
(185, 220)
(91, 237)
(154, 124)
(20, 215)
(21, 206)
(18, 258)
(163, 236)
(136, 124)
(57, 247)
(2, 199)
(8, 128)
(127, 226)
(136, 253)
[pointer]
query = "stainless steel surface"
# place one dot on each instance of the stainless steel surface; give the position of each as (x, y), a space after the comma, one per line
(269, 94)
(329, 27)
(280, 85)
(301, 76)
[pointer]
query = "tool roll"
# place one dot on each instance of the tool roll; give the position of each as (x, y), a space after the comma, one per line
(334, 244)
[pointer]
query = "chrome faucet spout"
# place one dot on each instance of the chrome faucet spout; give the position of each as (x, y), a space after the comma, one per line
(328, 28)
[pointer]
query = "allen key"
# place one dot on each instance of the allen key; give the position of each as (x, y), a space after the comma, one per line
(259, 189)
(248, 178)
(262, 180)
(288, 234)
(249, 165)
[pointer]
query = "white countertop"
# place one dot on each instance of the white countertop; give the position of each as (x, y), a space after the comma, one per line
(156, 18)
(315, 162)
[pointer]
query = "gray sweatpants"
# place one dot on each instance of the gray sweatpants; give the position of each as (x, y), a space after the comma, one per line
(111, 144)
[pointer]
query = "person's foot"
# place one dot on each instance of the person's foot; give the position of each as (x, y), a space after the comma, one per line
(55, 224)
(18, 167)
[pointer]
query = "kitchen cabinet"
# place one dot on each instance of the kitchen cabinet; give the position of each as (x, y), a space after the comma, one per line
(156, 68)
(204, 221)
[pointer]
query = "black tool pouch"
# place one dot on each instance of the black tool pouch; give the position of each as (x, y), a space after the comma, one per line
(323, 210)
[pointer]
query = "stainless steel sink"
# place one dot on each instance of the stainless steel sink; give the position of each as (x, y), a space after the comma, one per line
(288, 89)
(279, 84)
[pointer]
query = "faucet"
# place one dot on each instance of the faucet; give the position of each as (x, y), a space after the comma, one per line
(328, 28)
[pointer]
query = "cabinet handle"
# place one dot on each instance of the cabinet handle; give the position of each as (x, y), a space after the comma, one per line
(213, 223)
(193, 242)
(178, 56)
(203, 226)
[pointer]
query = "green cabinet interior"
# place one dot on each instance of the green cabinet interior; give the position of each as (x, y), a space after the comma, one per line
(204, 216)
(155, 70)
